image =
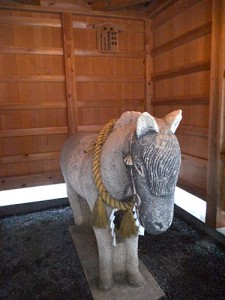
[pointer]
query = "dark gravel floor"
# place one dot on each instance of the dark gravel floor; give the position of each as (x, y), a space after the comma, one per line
(38, 260)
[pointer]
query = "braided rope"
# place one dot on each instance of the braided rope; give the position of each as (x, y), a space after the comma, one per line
(96, 168)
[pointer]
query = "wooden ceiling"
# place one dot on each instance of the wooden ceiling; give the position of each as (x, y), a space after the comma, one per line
(145, 6)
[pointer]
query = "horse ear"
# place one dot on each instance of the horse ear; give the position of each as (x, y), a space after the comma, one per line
(173, 119)
(146, 123)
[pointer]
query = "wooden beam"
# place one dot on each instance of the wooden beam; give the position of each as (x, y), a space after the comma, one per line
(32, 78)
(148, 66)
(29, 157)
(182, 39)
(214, 214)
(129, 54)
(28, 21)
(32, 131)
(90, 128)
(111, 103)
(115, 4)
(31, 105)
(17, 182)
(29, 50)
(109, 78)
(67, 20)
(181, 100)
(158, 6)
(184, 70)
(172, 12)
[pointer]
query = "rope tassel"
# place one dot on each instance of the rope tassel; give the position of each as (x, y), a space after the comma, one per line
(99, 214)
(128, 227)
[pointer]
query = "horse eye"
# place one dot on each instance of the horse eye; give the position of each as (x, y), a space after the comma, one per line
(139, 169)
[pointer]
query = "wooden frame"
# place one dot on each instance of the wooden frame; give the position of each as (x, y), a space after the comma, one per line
(215, 216)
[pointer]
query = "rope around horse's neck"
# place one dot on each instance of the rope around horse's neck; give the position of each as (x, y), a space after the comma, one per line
(107, 198)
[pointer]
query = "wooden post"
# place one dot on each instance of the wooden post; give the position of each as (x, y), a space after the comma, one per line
(214, 213)
(67, 21)
(148, 66)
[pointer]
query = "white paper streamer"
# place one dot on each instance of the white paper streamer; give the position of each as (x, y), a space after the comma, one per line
(112, 226)
(141, 230)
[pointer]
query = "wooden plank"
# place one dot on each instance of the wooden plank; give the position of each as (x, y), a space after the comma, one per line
(109, 78)
(182, 100)
(67, 20)
(193, 130)
(184, 70)
(32, 78)
(111, 103)
(174, 10)
(29, 157)
(32, 131)
(31, 105)
(88, 52)
(17, 182)
(182, 39)
(31, 50)
(30, 21)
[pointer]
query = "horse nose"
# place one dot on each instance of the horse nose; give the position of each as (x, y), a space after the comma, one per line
(159, 226)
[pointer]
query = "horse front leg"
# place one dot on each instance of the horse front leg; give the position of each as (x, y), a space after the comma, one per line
(104, 242)
(133, 274)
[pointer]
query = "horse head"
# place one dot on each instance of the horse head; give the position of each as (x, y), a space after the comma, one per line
(153, 164)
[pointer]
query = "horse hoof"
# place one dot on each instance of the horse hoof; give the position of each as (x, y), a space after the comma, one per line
(136, 279)
(106, 286)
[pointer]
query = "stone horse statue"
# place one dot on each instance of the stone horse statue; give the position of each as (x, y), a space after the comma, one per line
(139, 161)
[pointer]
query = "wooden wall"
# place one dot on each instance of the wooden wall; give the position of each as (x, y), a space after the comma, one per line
(181, 56)
(53, 82)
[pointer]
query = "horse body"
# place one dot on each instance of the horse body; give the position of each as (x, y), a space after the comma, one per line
(129, 133)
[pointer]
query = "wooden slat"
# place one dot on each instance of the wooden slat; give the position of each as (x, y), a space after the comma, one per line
(109, 78)
(184, 70)
(111, 103)
(31, 50)
(193, 130)
(67, 20)
(32, 78)
(115, 4)
(157, 7)
(30, 180)
(29, 157)
(89, 127)
(184, 38)
(29, 21)
(182, 100)
(32, 131)
(172, 12)
(31, 105)
(88, 52)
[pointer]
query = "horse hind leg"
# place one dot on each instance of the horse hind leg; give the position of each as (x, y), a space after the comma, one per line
(80, 208)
